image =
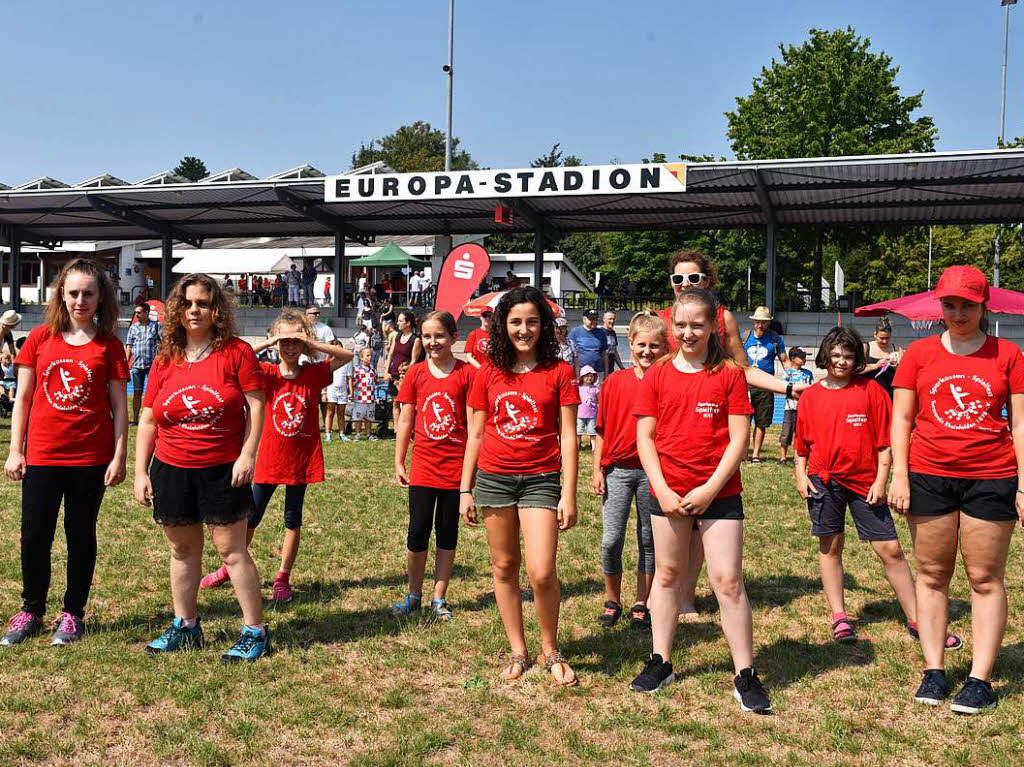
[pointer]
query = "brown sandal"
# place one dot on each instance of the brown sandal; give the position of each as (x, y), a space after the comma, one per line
(521, 662)
(556, 658)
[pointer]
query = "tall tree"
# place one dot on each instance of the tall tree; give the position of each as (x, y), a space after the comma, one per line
(191, 168)
(829, 96)
(416, 148)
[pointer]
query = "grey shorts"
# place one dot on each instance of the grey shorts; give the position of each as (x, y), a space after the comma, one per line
(361, 411)
(828, 513)
(535, 491)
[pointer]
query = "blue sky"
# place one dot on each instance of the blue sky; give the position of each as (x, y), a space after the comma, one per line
(130, 87)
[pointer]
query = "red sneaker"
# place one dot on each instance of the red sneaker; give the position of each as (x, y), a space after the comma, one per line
(215, 579)
(282, 591)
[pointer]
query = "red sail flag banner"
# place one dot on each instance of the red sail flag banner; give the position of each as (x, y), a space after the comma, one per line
(463, 270)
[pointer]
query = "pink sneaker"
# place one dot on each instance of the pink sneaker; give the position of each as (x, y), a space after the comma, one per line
(215, 579)
(282, 591)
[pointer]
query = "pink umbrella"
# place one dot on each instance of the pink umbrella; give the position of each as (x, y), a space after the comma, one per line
(925, 306)
(489, 301)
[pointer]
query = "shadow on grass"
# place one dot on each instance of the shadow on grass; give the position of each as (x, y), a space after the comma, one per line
(629, 647)
(789, 660)
(890, 610)
(779, 590)
(301, 632)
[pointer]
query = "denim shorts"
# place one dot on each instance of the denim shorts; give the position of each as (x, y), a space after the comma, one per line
(827, 510)
(585, 426)
(139, 376)
(539, 491)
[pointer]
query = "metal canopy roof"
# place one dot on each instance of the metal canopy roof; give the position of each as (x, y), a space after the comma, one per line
(940, 188)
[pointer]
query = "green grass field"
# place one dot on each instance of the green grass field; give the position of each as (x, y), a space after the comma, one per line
(350, 685)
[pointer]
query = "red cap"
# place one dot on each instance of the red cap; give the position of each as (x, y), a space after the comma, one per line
(967, 282)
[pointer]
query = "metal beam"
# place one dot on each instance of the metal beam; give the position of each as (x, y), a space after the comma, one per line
(154, 225)
(771, 243)
(339, 275)
(166, 262)
(313, 212)
(7, 236)
(15, 245)
(529, 214)
(764, 199)
(538, 260)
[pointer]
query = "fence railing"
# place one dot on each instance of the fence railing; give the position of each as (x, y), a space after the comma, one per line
(583, 300)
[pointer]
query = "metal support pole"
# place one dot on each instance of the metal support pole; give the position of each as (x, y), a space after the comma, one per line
(538, 260)
(166, 262)
(15, 269)
(339, 276)
(769, 266)
(449, 69)
(929, 258)
(1006, 50)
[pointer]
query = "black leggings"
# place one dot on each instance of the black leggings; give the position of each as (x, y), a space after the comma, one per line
(422, 517)
(294, 498)
(42, 490)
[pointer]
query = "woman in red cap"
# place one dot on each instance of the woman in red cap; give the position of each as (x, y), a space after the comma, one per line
(959, 476)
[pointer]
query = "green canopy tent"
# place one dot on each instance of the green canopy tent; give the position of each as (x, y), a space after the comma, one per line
(391, 256)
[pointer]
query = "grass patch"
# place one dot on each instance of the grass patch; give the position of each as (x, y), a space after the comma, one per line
(350, 685)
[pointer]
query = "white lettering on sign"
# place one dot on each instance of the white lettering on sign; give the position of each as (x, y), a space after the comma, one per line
(533, 182)
(463, 267)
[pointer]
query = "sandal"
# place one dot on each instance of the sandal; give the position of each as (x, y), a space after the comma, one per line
(612, 613)
(556, 658)
(441, 610)
(520, 662)
(640, 616)
(755, 460)
(410, 603)
(843, 631)
(953, 642)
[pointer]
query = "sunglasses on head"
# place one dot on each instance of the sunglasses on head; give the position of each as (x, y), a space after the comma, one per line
(694, 278)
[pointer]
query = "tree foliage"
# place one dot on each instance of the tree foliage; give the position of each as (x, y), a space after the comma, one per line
(191, 168)
(416, 148)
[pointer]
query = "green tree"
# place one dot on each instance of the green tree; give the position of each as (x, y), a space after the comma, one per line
(829, 96)
(191, 168)
(416, 148)
(555, 159)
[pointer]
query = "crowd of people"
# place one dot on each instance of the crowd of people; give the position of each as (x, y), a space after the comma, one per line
(495, 442)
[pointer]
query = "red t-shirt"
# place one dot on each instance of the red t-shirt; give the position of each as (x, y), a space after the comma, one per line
(290, 451)
(692, 426)
(615, 421)
(959, 429)
(477, 343)
(521, 431)
(666, 317)
(70, 423)
(842, 431)
(200, 408)
(440, 442)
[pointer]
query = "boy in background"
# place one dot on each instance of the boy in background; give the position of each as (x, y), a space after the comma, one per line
(796, 374)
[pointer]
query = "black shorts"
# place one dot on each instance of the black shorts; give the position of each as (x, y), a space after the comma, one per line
(190, 496)
(763, 403)
(788, 428)
(828, 513)
(729, 507)
(989, 499)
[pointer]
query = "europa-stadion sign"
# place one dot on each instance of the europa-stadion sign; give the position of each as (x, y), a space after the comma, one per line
(525, 182)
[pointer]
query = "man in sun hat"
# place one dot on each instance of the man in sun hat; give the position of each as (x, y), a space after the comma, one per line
(763, 345)
(8, 322)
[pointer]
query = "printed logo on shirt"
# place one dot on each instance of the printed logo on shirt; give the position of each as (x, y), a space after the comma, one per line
(67, 384)
(856, 419)
(439, 415)
(515, 414)
(195, 407)
(707, 409)
(756, 353)
(483, 346)
(287, 413)
(961, 402)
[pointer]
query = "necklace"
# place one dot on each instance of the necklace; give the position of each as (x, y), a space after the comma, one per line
(199, 356)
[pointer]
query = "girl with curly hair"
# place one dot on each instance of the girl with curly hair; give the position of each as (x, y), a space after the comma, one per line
(290, 452)
(72, 407)
(201, 422)
(522, 432)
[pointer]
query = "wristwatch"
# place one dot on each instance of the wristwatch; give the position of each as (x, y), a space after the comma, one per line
(789, 390)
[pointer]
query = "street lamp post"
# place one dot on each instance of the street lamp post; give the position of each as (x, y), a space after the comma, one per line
(1002, 119)
(451, 76)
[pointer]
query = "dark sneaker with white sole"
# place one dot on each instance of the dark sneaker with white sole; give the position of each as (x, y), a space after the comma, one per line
(974, 697)
(656, 674)
(21, 626)
(934, 688)
(67, 629)
(750, 693)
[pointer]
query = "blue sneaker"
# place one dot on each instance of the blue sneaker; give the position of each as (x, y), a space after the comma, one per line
(252, 644)
(410, 603)
(178, 636)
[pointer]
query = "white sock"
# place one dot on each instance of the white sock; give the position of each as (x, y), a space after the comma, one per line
(190, 623)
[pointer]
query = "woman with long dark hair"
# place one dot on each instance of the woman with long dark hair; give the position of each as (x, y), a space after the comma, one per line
(72, 407)
(201, 422)
(521, 456)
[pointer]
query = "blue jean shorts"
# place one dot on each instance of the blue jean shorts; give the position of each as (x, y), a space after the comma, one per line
(586, 426)
(139, 376)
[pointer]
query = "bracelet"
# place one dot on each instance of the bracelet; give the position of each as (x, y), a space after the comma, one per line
(465, 492)
(789, 390)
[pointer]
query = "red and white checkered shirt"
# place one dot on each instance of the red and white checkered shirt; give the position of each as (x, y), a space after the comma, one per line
(364, 381)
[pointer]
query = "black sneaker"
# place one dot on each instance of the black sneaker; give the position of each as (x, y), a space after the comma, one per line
(974, 697)
(656, 674)
(934, 689)
(67, 630)
(22, 626)
(750, 693)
